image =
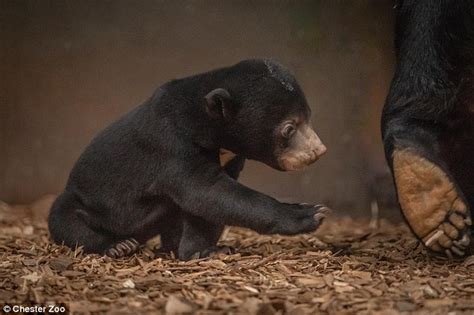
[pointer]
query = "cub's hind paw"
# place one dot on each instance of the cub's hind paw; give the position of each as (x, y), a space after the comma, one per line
(432, 204)
(123, 248)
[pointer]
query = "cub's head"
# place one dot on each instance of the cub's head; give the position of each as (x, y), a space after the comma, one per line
(263, 115)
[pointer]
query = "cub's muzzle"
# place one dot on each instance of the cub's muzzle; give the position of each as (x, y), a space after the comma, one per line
(305, 148)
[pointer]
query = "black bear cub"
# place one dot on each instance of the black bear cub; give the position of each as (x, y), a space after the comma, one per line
(170, 166)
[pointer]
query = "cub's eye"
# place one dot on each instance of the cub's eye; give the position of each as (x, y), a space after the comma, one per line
(288, 130)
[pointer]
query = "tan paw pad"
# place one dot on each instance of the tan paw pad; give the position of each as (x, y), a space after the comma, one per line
(430, 203)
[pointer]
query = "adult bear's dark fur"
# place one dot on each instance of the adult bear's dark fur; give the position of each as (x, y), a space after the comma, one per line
(157, 170)
(428, 121)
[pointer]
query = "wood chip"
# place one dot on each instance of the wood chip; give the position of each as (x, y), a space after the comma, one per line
(176, 305)
(60, 263)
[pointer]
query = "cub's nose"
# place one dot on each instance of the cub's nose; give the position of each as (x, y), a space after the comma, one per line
(320, 150)
(316, 153)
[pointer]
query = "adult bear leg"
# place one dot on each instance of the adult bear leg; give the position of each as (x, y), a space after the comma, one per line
(457, 147)
(430, 198)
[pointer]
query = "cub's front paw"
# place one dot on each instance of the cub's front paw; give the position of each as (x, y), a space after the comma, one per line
(434, 208)
(300, 218)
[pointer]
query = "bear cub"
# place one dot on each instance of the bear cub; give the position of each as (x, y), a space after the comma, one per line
(170, 166)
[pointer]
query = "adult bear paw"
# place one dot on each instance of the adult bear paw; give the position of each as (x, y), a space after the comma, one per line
(431, 203)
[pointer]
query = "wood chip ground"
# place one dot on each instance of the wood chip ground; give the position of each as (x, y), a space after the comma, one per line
(344, 268)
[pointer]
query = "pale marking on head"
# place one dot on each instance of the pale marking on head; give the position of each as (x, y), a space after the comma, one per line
(275, 71)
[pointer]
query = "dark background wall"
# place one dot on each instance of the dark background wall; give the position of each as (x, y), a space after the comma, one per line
(69, 68)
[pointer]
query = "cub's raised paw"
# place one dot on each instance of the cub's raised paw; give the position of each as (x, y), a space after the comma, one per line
(434, 208)
(123, 248)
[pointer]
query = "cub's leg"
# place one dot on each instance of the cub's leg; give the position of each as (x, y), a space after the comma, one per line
(170, 229)
(73, 227)
(199, 238)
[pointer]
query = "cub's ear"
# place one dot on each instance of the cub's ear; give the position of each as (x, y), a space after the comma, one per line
(219, 104)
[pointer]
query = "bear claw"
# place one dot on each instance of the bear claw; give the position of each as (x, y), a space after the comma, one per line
(123, 248)
(322, 212)
(457, 251)
(433, 238)
(468, 221)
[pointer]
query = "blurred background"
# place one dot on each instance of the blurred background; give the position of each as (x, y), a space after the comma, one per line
(69, 68)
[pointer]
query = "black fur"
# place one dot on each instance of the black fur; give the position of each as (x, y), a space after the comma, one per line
(156, 170)
(430, 106)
